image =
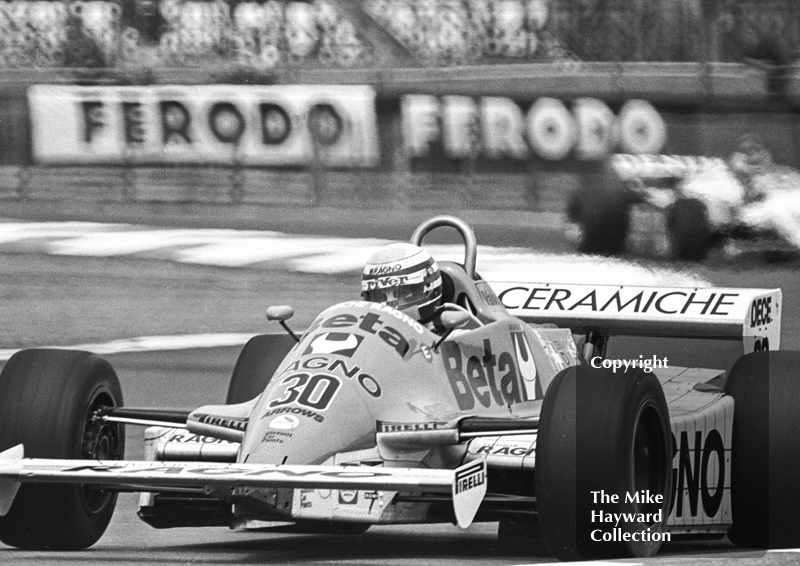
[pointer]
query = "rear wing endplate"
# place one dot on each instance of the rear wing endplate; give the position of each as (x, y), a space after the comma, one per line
(749, 315)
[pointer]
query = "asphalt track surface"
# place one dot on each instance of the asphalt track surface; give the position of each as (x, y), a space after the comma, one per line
(540, 230)
(202, 299)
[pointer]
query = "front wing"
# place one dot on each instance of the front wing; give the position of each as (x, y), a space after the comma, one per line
(467, 484)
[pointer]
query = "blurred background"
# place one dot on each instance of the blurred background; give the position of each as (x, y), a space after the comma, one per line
(663, 130)
(169, 168)
(467, 104)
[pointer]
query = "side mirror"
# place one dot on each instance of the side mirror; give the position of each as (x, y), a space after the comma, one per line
(450, 320)
(454, 319)
(280, 313)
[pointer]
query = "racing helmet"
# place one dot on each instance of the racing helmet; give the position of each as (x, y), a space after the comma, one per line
(403, 276)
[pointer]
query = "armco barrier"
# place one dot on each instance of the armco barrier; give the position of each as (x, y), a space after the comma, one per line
(706, 108)
(221, 185)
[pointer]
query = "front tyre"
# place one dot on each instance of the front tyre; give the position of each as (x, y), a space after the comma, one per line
(602, 432)
(255, 365)
(689, 230)
(602, 208)
(47, 401)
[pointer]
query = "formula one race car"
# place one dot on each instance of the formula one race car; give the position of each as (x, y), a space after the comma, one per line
(682, 207)
(371, 418)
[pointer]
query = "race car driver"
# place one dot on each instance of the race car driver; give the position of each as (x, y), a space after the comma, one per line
(406, 277)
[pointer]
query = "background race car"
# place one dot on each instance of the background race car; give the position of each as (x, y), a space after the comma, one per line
(682, 207)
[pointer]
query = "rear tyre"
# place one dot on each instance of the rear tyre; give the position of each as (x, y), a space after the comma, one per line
(257, 361)
(603, 215)
(601, 431)
(689, 230)
(47, 399)
(765, 454)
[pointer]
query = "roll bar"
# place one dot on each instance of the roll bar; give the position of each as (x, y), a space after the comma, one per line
(470, 243)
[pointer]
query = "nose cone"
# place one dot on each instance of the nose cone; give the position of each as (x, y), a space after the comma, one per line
(304, 418)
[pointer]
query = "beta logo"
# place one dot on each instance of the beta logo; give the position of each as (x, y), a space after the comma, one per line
(761, 312)
(489, 379)
(370, 323)
(527, 365)
(340, 343)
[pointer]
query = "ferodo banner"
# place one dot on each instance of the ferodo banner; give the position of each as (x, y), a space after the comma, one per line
(251, 125)
(499, 128)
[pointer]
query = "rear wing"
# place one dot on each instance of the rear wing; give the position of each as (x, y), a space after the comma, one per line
(752, 316)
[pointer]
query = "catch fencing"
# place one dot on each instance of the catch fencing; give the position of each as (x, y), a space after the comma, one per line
(679, 30)
(261, 36)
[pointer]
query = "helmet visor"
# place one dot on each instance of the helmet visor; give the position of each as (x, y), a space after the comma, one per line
(397, 296)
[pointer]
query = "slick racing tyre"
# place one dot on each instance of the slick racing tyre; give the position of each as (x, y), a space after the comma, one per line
(689, 230)
(765, 454)
(257, 361)
(603, 215)
(47, 399)
(607, 433)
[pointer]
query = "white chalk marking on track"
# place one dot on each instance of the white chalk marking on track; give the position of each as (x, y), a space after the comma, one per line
(239, 253)
(514, 264)
(154, 344)
(321, 255)
(14, 231)
(137, 241)
(342, 261)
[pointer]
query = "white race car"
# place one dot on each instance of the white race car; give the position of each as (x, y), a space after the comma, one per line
(676, 206)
